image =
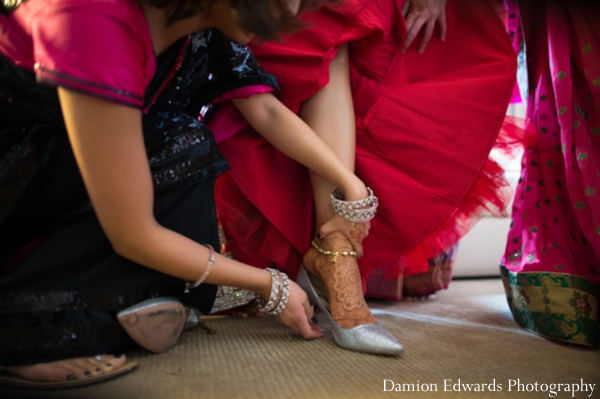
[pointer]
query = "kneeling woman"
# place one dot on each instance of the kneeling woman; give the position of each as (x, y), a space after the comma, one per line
(107, 180)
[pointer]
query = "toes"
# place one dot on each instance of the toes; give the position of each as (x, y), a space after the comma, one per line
(95, 366)
(106, 364)
(50, 372)
(79, 367)
(68, 369)
(113, 362)
(80, 372)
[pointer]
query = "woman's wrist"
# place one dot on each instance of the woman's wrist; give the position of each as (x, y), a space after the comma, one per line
(355, 204)
(230, 272)
(265, 283)
(279, 294)
(355, 190)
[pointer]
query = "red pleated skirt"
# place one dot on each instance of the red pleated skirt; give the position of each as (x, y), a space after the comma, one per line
(425, 127)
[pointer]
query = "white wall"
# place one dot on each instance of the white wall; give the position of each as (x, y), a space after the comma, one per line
(480, 250)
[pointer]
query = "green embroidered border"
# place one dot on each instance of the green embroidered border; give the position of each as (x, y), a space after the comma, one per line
(559, 306)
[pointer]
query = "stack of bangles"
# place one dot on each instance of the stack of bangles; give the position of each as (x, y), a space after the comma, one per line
(355, 211)
(280, 293)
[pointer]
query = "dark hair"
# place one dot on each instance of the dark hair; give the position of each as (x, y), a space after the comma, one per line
(264, 18)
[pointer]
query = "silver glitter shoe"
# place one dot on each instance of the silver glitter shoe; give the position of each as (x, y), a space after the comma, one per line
(155, 324)
(367, 338)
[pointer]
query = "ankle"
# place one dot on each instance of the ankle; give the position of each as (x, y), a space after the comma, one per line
(335, 241)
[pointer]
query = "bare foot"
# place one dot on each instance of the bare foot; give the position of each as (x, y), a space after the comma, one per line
(68, 369)
(342, 281)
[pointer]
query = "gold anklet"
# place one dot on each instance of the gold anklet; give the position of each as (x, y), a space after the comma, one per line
(335, 254)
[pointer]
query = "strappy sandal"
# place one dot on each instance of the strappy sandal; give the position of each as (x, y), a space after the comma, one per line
(367, 337)
(13, 380)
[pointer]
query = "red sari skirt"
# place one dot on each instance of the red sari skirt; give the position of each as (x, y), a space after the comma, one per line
(425, 127)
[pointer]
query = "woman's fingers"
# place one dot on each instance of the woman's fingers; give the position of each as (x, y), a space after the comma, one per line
(309, 330)
(443, 28)
(298, 313)
(426, 13)
(427, 36)
(310, 311)
(412, 32)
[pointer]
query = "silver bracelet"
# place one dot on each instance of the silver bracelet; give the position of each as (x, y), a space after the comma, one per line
(280, 292)
(355, 211)
(285, 295)
(212, 259)
(273, 298)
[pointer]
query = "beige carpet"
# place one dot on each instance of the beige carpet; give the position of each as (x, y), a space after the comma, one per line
(465, 334)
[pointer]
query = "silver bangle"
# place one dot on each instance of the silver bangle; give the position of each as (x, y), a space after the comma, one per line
(212, 259)
(270, 306)
(280, 292)
(355, 211)
(285, 295)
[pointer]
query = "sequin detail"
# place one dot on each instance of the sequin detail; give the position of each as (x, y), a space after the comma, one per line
(181, 149)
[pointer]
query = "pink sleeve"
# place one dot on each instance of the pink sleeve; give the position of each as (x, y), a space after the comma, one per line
(95, 49)
(243, 92)
(227, 120)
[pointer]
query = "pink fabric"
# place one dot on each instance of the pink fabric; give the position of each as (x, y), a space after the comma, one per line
(242, 92)
(556, 215)
(516, 37)
(228, 121)
(424, 131)
(100, 47)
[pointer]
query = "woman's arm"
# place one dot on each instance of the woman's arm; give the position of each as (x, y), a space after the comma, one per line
(292, 136)
(108, 144)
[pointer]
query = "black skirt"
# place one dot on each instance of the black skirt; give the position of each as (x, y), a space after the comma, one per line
(61, 299)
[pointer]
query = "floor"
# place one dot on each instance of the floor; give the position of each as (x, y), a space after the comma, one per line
(463, 344)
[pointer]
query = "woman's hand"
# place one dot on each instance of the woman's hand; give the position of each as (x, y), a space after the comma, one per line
(298, 314)
(420, 13)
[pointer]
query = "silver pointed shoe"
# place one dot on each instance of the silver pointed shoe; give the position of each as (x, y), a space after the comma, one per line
(155, 324)
(367, 338)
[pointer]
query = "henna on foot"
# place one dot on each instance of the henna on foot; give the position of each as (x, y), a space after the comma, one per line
(342, 280)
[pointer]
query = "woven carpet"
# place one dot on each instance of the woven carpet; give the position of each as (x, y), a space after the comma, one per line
(466, 336)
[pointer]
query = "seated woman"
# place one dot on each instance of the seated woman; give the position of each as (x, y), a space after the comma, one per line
(107, 177)
(418, 129)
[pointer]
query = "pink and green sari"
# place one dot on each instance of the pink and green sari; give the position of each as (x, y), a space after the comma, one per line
(551, 267)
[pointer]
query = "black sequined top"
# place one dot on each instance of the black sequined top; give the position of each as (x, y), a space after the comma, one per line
(191, 74)
(181, 149)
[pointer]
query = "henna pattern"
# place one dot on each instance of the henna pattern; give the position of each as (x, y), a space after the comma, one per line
(342, 281)
(357, 235)
(345, 287)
